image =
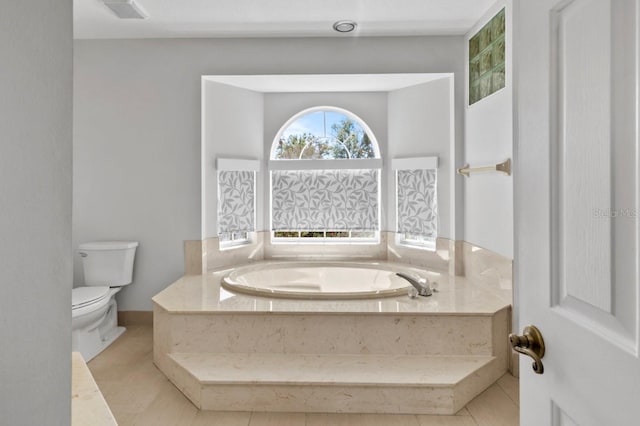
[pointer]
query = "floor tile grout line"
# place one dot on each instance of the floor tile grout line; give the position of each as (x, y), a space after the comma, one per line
(473, 419)
(508, 394)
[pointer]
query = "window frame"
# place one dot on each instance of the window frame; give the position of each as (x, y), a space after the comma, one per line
(349, 114)
(375, 239)
(406, 239)
(276, 164)
(237, 238)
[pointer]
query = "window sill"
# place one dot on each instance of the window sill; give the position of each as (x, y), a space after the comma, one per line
(315, 242)
(234, 245)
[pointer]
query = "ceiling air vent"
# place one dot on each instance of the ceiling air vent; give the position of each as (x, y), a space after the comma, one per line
(126, 9)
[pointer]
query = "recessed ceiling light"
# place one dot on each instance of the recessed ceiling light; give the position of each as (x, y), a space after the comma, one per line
(344, 26)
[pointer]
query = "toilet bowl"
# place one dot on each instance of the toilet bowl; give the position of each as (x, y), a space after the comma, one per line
(94, 312)
(94, 322)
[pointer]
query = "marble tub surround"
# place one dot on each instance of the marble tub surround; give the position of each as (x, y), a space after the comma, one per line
(159, 403)
(217, 258)
(195, 257)
(280, 362)
(203, 293)
(487, 269)
(484, 265)
(454, 343)
(458, 258)
(438, 260)
(322, 383)
(205, 255)
(327, 333)
(456, 264)
(249, 353)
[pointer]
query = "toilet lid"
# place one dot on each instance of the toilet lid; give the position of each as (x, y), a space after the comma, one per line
(82, 296)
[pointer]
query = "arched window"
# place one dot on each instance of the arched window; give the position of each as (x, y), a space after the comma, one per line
(325, 172)
(325, 134)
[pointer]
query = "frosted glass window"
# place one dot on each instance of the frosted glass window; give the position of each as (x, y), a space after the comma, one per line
(417, 212)
(322, 200)
(236, 203)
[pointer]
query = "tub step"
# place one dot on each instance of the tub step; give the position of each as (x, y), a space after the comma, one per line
(331, 383)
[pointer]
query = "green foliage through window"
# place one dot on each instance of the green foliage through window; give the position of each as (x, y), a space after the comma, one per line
(352, 235)
(330, 135)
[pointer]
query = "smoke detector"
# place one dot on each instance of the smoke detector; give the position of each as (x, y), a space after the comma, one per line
(126, 9)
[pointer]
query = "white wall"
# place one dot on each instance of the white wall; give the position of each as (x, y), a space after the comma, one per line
(371, 107)
(136, 159)
(410, 122)
(137, 149)
(421, 125)
(488, 201)
(232, 128)
(35, 212)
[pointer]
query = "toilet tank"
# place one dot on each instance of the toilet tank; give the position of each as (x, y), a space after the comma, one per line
(108, 263)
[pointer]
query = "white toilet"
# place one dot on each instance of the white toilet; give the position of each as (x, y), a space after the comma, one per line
(108, 266)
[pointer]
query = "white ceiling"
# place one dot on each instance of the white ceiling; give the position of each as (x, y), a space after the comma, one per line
(301, 83)
(279, 18)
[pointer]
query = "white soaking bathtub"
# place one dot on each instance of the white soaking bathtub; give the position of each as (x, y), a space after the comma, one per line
(321, 280)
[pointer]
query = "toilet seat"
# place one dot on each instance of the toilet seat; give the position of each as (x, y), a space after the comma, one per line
(84, 296)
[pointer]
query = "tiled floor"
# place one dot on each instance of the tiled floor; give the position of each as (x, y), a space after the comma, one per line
(139, 394)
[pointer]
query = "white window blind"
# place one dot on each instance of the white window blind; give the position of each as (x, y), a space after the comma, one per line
(417, 211)
(325, 200)
(236, 201)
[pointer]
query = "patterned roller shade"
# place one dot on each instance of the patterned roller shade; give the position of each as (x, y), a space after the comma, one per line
(236, 201)
(325, 200)
(417, 204)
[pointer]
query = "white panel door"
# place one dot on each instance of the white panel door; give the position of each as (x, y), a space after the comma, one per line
(576, 191)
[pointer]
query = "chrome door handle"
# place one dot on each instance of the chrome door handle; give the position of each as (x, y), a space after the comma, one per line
(531, 344)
